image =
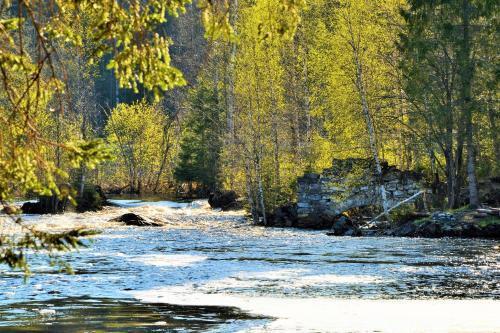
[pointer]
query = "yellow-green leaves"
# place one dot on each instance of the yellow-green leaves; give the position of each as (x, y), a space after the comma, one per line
(88, 153)
(10, 24)
(137, 134)
(215, 18)
(147, 64)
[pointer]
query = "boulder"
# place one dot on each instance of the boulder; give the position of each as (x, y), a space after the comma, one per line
(353, 232)
(92, 199)
(369, 233)
(429, 229)
(442, 217)
(491, 231)
(469, 230)
(285, 216)
(313, 221)
(224, 200)
(32, 208)
(343, 226)
(45, 205)
(406, 230)
(136, 220)
(452, 229)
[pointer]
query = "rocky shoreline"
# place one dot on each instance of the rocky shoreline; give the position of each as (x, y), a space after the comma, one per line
(344, 198)
(464, 224)
(437, 226)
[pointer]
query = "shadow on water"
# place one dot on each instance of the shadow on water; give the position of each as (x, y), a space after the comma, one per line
(84, 314)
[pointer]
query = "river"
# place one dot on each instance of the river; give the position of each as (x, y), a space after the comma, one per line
(212, 271)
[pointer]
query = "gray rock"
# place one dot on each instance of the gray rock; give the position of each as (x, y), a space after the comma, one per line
(224, 200)
(443, 217)
(136, 220)
(406, 230)
(343, 226)
(429, 229)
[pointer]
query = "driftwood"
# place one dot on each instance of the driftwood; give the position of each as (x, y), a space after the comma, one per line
(397, 205)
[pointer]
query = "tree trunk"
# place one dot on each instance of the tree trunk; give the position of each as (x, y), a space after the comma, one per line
(164, 157)
(117, 85)
(274, 133)
(466, 75)
(459, 169)
(261, 188)
(250, 195)
(448, 151)
(307, 106)
(493, 118)
(371, 130)
(233, 17)
(450, 177)
(230, 93)
(471, 175)
(82, 181)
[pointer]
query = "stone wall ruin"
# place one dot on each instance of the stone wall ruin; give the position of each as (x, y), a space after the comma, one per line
(348, 184)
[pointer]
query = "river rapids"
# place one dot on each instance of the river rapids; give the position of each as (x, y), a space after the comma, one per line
(209, 271)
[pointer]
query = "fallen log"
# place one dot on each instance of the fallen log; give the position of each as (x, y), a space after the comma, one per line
(396, 206)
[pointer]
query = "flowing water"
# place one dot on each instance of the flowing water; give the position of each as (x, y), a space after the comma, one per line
(211, 271)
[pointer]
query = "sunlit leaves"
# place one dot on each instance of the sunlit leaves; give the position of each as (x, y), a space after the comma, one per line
(215, 18)
(37, 148)
(136, 133)
(88, 153)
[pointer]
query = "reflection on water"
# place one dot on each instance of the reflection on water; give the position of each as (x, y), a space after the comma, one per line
(108, 315)
(212, 258)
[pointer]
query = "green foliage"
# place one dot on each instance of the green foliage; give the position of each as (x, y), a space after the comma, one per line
(201, 141)
(446, 49)
(488, 221)
(402, 213)
(38, 143)
(136, 133)
(88, 153)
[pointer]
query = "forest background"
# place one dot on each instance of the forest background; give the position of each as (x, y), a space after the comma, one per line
(253, 105)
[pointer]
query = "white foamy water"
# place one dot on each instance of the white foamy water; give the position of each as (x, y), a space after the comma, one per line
(140, 203)
(346, 315)
(173, 260)
(289, 280)
(326, 279)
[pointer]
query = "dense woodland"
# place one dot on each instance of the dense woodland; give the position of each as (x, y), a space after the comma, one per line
(245, 95)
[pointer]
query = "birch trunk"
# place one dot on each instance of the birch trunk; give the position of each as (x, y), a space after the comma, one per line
(261, 188)
(166, 144)
(371, 130)
(250, 195)
(233, 16)
(230, 93)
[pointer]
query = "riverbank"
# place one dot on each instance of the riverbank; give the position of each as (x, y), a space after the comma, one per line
(462, 223)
